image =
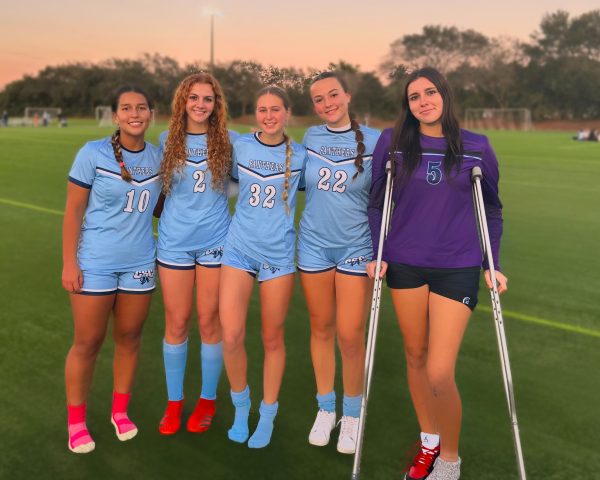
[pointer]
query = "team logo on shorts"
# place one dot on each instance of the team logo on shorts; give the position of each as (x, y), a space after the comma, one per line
(356, 260)
(466, 300)
(214, 252)
(270, 268)
(144, 276)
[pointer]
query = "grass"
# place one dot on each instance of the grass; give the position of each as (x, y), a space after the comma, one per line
(550, 190)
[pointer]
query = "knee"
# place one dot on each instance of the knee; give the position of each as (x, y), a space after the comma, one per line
(130, 338)
(351, 345)
(87, 347)
(273, 340)
(176, 327)
(416, 356)
(233, 340)
(441, 379)
(208, 322)
(322, 330)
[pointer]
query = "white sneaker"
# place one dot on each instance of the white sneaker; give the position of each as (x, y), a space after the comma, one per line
(348, 435)
(321, 429)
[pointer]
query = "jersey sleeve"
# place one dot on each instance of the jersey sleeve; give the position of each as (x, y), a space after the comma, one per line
(83, 171)
(233, 136)
(234, 164)
(491, 200)
(377, 192)
(302, 182)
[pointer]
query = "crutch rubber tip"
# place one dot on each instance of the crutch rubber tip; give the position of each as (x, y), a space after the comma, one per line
(476, 173)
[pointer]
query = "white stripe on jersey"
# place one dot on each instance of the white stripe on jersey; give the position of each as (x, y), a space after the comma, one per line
(108, 173)
(191, 163)
(265, 178)
(341, 162)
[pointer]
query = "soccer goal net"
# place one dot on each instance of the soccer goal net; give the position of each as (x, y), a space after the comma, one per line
(103, 116)
(498, 118)
(41, 115)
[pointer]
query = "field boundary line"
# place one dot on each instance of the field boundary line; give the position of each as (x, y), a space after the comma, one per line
(548, 323)
(14, 203)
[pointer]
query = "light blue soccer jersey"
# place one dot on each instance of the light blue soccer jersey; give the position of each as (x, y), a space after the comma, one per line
(335, 214)
(260, 227)
(194, 216)
(116, 234)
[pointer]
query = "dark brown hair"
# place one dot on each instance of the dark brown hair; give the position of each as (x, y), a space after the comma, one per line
(115, 138)
(358, 134)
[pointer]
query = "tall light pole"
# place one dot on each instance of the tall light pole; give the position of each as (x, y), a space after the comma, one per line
(212, 13)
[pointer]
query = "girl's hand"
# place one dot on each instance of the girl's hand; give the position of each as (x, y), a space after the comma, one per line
(500, 279)
(72, 278)
(371, 269)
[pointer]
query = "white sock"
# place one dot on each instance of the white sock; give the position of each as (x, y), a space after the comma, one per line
(430, 440)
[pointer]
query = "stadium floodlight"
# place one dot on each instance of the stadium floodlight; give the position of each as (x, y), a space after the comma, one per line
(212, 13)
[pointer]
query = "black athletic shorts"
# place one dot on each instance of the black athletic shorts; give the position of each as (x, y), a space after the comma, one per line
(460, 284)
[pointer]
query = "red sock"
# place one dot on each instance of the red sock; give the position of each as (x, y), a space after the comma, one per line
(76, 413)
(120, 402)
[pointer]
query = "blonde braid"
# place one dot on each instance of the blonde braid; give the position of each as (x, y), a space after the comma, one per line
(116, 145)
(288, 170)
(360, 147)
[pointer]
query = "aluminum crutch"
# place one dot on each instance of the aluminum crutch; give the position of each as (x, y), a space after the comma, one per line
(484, 237)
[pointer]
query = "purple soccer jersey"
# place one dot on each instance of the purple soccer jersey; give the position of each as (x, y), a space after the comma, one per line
(433, 224)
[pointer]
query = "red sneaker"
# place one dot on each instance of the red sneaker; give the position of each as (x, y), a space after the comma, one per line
(202, 416)
(171, 420)
(422, 465)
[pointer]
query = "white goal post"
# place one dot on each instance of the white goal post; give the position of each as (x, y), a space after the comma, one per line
(498, 119)
(39, 114)
(103, 115)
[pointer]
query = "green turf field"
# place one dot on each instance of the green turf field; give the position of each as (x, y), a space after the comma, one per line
(550, 188)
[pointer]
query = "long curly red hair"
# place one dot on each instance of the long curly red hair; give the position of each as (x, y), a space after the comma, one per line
(217, 137)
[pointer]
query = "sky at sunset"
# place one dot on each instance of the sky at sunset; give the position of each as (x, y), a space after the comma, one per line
(295, 33)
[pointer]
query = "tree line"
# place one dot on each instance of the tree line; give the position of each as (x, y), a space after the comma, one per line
(556, 74)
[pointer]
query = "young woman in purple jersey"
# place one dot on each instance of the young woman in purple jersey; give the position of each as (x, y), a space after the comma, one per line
(336, 294)
(432, 258)
(196, 161)
(114, 185)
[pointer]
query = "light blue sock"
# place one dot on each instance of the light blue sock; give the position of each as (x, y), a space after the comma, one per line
(327, 402)
(262, 435)
(211, 361)
(175, 357)
(352, 406)
(239, 430)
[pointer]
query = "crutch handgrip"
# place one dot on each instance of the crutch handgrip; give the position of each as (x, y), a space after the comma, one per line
(476, 173)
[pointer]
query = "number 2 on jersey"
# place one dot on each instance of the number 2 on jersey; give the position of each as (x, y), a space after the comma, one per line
(199, 176)
(254, 199)
(340, 175)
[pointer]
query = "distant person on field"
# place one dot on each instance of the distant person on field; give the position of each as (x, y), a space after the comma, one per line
(36, 119)
(109, 258)
(593, 136)
(45, 118)
(62, 120)
(432, 255)
(5, 118)
(191, 233)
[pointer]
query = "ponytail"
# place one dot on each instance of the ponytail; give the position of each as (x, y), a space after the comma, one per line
(116, 145)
